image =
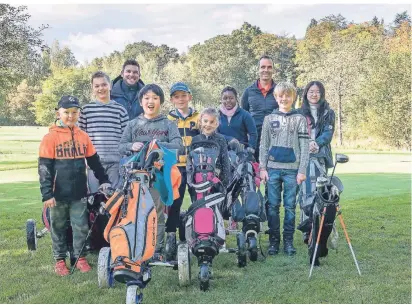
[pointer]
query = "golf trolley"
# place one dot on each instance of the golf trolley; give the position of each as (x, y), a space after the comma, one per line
(249, 210)
(322, 214)
(132, 227)
(97, 223)
(201, 228)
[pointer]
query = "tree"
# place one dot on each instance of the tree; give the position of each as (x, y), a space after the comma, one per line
(375, 22)
(312, 24)
(400, 18)
(61, 58)
(21, 104)
(71, 81)
(20, 45)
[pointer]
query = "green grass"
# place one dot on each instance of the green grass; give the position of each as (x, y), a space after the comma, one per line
(376, 209)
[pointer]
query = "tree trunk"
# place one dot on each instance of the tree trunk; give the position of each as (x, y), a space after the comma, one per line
(340, 114)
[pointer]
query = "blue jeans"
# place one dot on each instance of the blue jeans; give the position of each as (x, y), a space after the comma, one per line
(277, 177)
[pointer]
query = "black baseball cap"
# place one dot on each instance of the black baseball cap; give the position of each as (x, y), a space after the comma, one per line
(68, 101)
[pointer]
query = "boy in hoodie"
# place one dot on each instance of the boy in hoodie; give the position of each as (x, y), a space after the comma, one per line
(63, 181)
(151, 124)
(283, 158)
(104, 121)
(126, 88)
(186, 119)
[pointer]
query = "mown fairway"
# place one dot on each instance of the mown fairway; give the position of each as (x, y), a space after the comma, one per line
(376, 209)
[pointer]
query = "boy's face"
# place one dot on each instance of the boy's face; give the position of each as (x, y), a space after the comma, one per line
(208, 124)
(101, 88)
(131, 74)
(68, 116)
(181, 100)
(265, 69)
(285, 101)
(151, 104)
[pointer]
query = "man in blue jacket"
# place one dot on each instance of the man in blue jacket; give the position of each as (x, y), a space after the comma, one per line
(126, 87)
(258, 98)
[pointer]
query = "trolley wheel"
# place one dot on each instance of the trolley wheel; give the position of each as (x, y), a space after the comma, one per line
(253, 250)
(31, 234)
(182, 232)
(183, 263)
(104, 272)
(204, 276)
(241, 250)
(134, 295)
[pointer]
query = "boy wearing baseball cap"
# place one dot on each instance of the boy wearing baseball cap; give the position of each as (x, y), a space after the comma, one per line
(63, 181)
(186, 119)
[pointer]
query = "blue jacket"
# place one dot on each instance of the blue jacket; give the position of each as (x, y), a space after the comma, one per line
(259, 106)
(241, 125)
(132, 106)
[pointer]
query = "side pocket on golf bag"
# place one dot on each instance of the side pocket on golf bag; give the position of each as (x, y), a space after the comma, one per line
(238, 211)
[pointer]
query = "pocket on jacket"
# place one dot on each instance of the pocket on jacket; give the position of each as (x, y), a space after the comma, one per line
(282, 154)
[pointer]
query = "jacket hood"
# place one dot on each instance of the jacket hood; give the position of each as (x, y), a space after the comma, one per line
(117, 88)
(173, 113)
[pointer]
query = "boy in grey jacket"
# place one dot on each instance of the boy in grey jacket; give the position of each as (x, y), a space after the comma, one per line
(283, 158)
(149, 125)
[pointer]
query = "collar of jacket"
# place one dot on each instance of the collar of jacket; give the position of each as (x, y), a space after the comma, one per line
(293, 111)
(117, 88)
(160, 117)
(57, 128)
(255, 85)
(173, 113)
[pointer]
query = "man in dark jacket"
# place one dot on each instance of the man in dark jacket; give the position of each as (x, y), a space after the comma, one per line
(126, 87)
(258, 98)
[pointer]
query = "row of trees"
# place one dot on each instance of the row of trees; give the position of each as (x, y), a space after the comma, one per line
(365, 68)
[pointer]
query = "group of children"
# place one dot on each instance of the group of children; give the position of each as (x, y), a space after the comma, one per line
(104, 127)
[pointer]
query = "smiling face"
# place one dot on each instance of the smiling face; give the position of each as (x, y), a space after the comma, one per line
(208, 124)
(101, 89)
(228, 100)
(314, 94)
(285, 100)
(68, 116)
(131, 74)
(181, 100)
(265, 69)
(151, 104)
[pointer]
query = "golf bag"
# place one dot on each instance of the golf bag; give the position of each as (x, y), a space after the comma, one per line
(204, 228)
(132, 227)
(245, 183)
(324, 203)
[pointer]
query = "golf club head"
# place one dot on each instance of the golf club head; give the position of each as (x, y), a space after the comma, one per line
(341, 158)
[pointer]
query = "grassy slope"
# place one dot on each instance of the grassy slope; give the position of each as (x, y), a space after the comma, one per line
(376, 209)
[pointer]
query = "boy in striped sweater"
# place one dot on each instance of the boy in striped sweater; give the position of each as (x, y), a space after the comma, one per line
(104, 121)
(283, 158)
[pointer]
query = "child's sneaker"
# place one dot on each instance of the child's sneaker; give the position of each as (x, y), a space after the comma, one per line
(60, 268)
(83, 265)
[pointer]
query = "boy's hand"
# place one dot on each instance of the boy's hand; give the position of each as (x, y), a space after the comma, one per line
(300, 178)
(264, 175)
(137, 146)
(50, 203)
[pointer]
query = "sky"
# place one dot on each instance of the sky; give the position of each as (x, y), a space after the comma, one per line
(95, 30)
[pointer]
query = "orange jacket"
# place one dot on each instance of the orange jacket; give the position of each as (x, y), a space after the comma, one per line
(62, 166)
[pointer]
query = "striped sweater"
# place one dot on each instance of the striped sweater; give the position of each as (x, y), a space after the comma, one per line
(285, 142)
(104, 123)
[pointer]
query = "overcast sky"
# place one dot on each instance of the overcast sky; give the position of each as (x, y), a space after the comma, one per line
(92, 30)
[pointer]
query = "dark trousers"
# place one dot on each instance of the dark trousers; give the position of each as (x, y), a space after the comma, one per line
(174, 211)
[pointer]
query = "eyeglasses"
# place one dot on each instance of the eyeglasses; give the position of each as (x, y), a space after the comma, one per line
(314, 92)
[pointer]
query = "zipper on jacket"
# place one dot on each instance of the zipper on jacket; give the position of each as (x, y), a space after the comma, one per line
(74, 157)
